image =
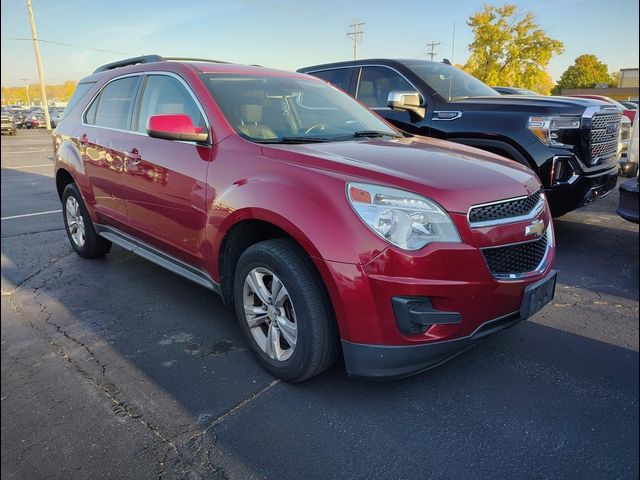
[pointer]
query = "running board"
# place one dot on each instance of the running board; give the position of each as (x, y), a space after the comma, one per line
(158, 257)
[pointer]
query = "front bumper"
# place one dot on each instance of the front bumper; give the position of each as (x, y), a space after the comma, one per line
(582, 190)
(404, 312)
(393, 361)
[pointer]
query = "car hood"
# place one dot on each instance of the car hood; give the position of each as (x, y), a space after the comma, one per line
(456, 176)
(565, 105)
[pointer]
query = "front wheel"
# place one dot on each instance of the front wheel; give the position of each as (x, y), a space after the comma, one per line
(82, 236)
(284, 310)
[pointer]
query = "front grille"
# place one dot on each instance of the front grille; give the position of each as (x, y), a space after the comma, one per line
(506, 209)
(604, 136)
(516, 259)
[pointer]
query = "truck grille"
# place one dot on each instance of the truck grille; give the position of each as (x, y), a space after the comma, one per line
(604, 137)
(502, 210)
(516, 259)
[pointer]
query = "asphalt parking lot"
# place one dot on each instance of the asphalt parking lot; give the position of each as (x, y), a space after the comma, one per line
(115, 368)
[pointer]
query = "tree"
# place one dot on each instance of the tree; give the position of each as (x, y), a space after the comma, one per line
(586, 72)
(510, 49)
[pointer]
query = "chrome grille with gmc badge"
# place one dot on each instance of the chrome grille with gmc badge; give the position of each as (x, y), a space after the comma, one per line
(604, 136)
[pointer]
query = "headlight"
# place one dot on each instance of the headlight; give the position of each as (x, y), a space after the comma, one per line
(554, 130)
(401, 218)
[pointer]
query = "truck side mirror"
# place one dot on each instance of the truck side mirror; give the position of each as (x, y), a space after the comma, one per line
(409, 101)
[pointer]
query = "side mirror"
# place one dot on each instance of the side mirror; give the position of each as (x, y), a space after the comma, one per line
(409, 101)
(175, 126)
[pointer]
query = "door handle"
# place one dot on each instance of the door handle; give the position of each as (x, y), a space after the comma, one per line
(84, 139)
(133, 156)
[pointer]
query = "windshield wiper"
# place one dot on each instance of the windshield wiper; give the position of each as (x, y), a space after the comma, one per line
(294, 140)
(368, 134)
(358, 134)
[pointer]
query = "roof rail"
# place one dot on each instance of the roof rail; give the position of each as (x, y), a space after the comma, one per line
(130, 61)
(150, 59)
(189, 59)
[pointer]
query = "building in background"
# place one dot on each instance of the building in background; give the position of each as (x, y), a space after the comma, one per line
(627, 88)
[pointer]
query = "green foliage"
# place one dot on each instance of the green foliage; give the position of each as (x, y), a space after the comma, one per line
(510, 49)
(586, 72)
(57, 93)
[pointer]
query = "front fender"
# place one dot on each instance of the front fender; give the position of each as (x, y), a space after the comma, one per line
(316, 215)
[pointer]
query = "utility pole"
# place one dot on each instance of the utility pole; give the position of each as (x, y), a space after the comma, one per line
(26, 82)
(432, 49)
(36, 47)
(356, 35)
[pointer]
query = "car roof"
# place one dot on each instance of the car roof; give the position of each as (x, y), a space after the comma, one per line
(368, 61)
(152, 63)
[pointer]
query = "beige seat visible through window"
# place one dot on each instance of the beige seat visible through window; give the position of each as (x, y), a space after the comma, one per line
(366, 94)
(250, 116)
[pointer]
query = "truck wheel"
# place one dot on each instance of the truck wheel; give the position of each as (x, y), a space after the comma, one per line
(284, 310)
(82, 236)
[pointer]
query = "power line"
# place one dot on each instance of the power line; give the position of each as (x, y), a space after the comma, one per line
(71, 45)
(356, 35)
(432, 49)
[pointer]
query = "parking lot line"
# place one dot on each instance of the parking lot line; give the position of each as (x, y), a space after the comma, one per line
(28, 166)
(30, 214)
(8, 150)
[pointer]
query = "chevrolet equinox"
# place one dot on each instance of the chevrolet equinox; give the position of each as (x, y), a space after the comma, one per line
(327, 227)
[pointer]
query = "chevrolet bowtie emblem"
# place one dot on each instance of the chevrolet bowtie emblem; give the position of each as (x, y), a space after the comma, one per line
(536, 228)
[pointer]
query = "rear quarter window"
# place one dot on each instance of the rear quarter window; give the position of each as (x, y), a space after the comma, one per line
(79, 93)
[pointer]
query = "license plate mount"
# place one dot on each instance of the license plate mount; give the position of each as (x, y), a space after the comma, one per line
(537, 295)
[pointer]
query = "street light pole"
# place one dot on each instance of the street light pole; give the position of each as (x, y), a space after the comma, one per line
(36, 47)
(26, 86)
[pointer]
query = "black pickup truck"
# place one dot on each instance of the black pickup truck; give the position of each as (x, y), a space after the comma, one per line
(571, 143)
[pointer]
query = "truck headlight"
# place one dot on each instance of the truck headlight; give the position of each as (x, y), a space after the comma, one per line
(554, 130)
(403, 219)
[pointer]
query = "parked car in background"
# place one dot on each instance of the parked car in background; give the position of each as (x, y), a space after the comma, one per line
(8, 125)
(626, 168)
(571, 143)
(630, 113)
(629, 197)
(629, 104)
(18, 114)
(317, 218)
(35, 119)
(55, 115)
(514, 91)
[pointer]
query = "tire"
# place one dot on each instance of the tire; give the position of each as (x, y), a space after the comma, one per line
(79, 227)
(303, 303)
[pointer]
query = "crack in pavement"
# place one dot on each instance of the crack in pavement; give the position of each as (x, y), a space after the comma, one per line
(32, 233)
(188, 458)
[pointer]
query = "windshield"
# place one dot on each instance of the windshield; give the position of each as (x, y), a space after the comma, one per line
(617, 104)
(449, 82)
(281, 110)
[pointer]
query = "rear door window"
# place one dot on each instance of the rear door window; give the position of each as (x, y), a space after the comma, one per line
(112, 108)
(340, 77)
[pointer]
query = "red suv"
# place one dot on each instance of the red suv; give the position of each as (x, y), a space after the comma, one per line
(326, 226)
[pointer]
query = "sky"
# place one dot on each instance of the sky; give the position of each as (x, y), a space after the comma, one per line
(289, 34)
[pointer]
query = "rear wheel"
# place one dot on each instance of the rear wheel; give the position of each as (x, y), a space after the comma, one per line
(284, 310)
(82, 236)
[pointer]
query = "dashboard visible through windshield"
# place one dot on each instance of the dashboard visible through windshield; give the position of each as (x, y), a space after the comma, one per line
(291, 110)
(449, 82)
